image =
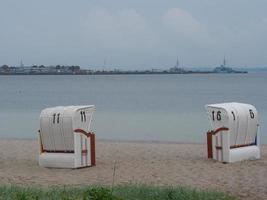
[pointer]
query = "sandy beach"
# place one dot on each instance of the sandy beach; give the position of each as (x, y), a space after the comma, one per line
(138, 162)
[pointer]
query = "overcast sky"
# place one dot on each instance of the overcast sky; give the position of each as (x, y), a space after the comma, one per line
(133, 34)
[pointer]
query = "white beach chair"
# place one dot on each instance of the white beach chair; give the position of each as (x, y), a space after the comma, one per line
(65, 138)
(235, 134)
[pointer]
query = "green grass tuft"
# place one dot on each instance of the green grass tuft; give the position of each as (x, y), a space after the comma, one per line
(123, 192)
(144, 192)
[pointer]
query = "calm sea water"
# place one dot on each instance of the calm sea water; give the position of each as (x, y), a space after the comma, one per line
(130, 107)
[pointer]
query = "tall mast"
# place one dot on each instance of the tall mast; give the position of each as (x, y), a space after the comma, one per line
(177, 63)
(21, 63)
(104, 65)
(224, 61)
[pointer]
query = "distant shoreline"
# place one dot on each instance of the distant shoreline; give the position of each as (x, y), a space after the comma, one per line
(123, 73)
(77, 70)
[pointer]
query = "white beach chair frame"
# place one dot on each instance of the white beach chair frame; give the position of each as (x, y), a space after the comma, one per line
(65, 138)
(219, 144)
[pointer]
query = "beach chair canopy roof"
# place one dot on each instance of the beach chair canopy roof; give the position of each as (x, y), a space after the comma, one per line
(240, 118)
(67, 111)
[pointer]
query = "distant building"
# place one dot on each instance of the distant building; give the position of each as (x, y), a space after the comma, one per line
(176, 68)
(28, 70)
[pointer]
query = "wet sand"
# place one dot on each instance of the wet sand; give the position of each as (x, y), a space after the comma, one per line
(138, 162)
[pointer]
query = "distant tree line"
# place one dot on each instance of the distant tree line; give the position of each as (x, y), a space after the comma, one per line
(73, 68)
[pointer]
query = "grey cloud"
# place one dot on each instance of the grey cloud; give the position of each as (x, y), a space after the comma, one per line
(136, 34)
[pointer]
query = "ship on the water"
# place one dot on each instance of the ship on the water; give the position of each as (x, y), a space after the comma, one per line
(226, 70)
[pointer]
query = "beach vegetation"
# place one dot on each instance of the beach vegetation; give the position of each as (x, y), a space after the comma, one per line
(122, 192)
